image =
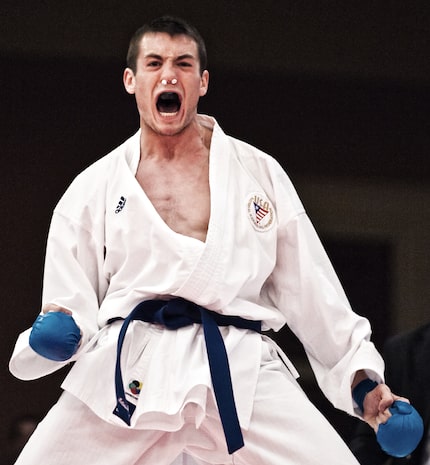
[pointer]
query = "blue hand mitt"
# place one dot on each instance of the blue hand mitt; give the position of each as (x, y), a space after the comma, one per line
(55, 336)
(402, 432)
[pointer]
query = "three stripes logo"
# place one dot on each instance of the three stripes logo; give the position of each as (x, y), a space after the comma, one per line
(121, 204)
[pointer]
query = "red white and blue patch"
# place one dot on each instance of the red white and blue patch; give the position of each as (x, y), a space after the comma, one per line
(260, 212)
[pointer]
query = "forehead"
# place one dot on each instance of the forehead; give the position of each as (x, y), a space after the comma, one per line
(165, 45)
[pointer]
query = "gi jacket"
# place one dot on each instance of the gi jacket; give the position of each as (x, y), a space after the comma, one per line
(108, 249)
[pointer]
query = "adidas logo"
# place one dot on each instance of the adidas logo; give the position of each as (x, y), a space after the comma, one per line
(121, 204)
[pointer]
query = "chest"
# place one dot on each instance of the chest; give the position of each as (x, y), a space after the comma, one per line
(179, 192)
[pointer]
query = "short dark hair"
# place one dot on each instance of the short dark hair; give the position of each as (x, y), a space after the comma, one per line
(173, 26)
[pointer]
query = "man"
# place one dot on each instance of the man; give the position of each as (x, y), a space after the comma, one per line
(407, 357)
(164, 260)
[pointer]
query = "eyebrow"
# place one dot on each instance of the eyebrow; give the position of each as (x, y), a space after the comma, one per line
(180, 57)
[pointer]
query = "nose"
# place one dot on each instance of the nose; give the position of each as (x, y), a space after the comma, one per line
(168, 75)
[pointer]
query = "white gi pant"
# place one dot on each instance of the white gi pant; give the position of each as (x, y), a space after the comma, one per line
(285, 429)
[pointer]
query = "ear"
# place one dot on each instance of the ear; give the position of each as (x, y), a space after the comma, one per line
(204, 83)
(129, 81)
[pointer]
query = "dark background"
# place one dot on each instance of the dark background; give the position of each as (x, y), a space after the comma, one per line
(337, 91)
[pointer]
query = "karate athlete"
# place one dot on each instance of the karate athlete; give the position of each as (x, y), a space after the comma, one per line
(164, 261)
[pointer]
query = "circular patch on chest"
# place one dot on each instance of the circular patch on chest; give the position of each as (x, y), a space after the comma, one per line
(260, 212)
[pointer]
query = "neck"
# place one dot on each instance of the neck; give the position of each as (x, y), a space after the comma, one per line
(194, 138)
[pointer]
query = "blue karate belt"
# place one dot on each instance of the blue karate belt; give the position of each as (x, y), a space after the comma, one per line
(177, 313)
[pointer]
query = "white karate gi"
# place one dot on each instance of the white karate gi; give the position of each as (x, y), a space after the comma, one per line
(108, 250)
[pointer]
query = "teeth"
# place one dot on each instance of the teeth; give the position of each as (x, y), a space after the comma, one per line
(165, 115)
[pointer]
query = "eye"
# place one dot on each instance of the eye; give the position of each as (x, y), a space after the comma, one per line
(185, 64)
(153, 64)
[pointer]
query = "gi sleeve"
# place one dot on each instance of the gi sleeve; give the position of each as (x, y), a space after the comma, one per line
(73, 279)
(73, 275)
(306, 289)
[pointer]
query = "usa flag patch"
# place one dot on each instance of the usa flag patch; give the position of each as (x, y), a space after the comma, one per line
(260, 212)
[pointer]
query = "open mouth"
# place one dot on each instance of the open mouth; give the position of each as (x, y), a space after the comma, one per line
(168, 103)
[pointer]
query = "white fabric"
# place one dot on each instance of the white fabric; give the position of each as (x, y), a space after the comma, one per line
(108, 249)
(184, 459)
(285, 429)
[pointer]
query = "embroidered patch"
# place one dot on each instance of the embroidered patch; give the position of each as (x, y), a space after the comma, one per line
(260, 212)
(135, 387)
